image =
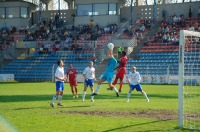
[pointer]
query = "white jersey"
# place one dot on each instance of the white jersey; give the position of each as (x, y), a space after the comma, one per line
(59, 73)
(89, 72)
(134, 78)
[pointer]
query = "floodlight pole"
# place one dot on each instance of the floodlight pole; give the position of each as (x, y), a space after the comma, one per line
(154, 11)
(40, 12)
(59, 13)
(131, 13)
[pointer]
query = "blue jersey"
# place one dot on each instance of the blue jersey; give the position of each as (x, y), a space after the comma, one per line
(112, 63)
(109, 73)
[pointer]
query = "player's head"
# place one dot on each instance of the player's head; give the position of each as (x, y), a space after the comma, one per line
(123, 53)
(90, 64)
(134, 68)
(60, 63)
(70, 65)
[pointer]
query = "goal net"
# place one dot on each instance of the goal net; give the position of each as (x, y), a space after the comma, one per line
(189, 80)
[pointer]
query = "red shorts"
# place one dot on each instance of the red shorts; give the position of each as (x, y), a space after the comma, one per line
(72, 83)
(121, 72)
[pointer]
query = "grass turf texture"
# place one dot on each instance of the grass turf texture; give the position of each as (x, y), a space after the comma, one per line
(26, 107)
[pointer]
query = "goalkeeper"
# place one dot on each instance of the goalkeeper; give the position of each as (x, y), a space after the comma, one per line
(121, 70)
(109, 73)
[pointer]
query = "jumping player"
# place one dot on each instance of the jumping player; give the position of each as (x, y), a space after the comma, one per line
(121, 70)
(59, 78)
(133, 81)
(108, 74)
(71, 74)
(89, 76)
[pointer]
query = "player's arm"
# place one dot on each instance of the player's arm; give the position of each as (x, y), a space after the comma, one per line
(60, 79)
(84, 75)
(110, 53)
(138, 78)
(75, 74)
(67, 74)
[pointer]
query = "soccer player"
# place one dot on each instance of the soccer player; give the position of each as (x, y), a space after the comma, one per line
(89, 76)
(133, 81)
(71, 74)
(108, 74)
(121, 70)
(60, 78)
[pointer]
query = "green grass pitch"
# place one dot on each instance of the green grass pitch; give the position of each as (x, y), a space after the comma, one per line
(25, 107)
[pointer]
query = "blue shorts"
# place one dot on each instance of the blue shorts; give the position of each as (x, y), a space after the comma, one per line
(107, 76)
(138, 87)
(59, 86)
(89, 82)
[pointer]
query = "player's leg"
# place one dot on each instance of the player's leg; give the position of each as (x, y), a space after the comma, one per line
(56, 95)
(91, 84)
(53, 99)
(59, 98)
(60, 93)
(84, 92)
(92, 91)
(129, 93)
(98, 86)
(121, 74)
(76, 90)
(114, 88)
(114, 82)
(139, 88)
(120, 84)
(145, 95)
(72, 89)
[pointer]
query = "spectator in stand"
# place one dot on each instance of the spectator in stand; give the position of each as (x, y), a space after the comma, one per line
(146, 43)
(164, 39)
(168, 37)
(148, 25)
(191, 27)
(57, 46)
(164, 21)
(175, 40)
(156, 38)
(142, 28)
(94, 59)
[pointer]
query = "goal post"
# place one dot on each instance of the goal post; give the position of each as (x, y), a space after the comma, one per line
(189, 80)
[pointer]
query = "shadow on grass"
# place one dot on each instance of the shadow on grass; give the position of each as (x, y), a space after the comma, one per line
(26, 98)
(140, 124)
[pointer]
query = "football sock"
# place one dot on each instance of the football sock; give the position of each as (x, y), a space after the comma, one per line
(59, 98)
(92, 97)
(128, 95)
(53, 99)
(83, 95)
(115, 89)
(97, 88)
(145, 95)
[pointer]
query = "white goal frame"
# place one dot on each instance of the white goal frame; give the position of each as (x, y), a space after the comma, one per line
(181, 75)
